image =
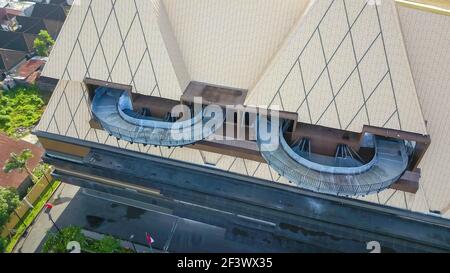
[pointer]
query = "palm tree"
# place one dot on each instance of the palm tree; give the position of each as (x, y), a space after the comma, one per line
(19, 162)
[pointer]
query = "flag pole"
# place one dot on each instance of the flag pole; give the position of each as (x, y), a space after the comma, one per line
(149, 241)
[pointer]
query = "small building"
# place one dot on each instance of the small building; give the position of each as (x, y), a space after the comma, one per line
(33, 25)
(49, 11)
(29, 71)
(9, 59)
(17, 41)
(22, 8)
(16, 179)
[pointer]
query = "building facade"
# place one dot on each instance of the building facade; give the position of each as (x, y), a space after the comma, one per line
(338, 71)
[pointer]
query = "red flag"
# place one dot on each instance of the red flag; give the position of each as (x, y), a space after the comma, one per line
(149, 238)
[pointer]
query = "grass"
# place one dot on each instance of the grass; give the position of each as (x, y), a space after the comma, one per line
(31, 215)
(20, 109)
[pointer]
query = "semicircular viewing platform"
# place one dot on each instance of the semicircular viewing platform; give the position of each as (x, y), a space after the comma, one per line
(113, 109)
(345, 174)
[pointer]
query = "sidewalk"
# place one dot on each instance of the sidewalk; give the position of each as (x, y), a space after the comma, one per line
(37, 232)
(101, 213)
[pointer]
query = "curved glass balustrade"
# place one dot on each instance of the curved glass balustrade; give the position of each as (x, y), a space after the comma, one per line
(113, 109)
(387, 166)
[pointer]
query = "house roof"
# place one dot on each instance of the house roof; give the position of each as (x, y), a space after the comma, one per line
(20, 5)
(14, 41)
(49, 11)
(59, 2)
(53, 27)
(2, 13)
(2, 64)
(9, 145)
(29, 67)
(33, 25)
(30, 24)
(29, 40)
(10, 58)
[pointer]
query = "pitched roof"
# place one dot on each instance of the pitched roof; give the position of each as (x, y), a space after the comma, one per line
(14, 41)
(2, 13)
(59, 2)
(53, 27)
(10, 58)
(2, 65)
(339, 65)
(29, 67)
(30, 24)
(345, 82)
(33, 25)
(49, 11)
(15, 178)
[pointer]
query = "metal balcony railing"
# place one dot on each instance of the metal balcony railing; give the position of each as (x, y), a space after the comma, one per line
(387, 166)
(110, 106)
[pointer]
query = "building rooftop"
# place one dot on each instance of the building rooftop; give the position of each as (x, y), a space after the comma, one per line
(9, 145)
(30, 24)
(49, 11)
(2, 65)
(19, 5)
(29, 67)
(10, 58)
(338, 64)
(16, 41)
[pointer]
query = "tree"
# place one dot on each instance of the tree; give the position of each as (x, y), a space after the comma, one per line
(9, 200)
(107, 244)
(19, 162)
(3, 244)
(57, 243)
(43, 43)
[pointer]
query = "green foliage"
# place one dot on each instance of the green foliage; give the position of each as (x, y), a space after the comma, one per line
(29, 217)
(107, 244)
(17, 162)
(57, 243)
(3, 243)
(20, 109)
(9, 200)
(43, 43)
(40, 170)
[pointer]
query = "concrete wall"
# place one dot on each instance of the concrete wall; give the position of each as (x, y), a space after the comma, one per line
(33, 195)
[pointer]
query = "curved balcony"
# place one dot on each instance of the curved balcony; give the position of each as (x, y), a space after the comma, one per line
(344, 174)
(114, 111)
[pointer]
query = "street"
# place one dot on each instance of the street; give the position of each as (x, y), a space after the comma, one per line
(112, 215)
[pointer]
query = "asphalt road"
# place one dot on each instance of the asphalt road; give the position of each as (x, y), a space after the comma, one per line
(122, 218)
(109, 215)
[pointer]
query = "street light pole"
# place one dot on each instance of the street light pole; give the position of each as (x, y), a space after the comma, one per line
(54, 224)
(132, 243)
(48, 207)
